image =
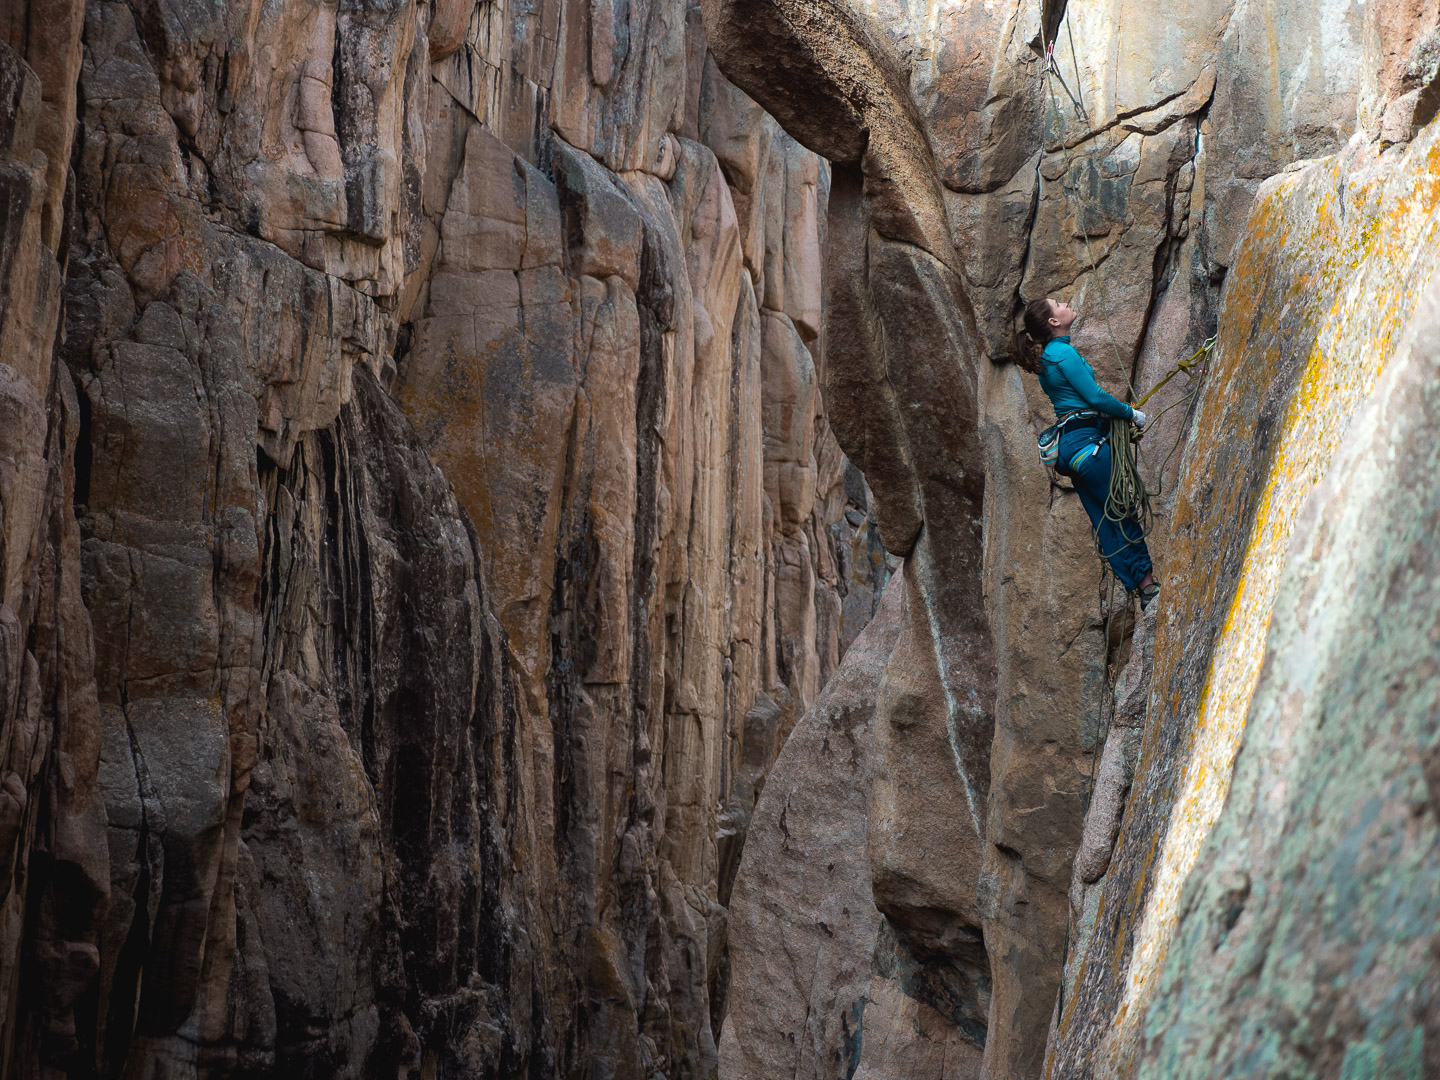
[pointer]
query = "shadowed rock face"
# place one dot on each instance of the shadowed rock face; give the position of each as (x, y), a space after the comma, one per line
(421, 531)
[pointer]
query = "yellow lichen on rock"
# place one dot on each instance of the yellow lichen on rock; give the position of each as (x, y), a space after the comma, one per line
(1377, 265)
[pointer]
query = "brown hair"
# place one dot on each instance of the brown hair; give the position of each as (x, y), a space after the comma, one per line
(1030, 342)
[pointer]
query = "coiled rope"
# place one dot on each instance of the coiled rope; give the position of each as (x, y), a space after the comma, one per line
(1128, 500)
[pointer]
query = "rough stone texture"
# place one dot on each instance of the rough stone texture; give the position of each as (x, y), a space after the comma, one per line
(903, 394)
(1307, 940)
(449, 450)
(421, 530)
(1400, 93)
(54, 875)
(816, 958)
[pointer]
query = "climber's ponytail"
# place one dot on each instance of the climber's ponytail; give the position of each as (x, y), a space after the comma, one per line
(1030, 342)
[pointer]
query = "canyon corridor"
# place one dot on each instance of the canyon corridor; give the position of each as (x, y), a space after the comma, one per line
(523, 553)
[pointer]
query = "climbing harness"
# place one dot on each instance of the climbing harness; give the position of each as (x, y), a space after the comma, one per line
(1048, 441)
(1128, 497)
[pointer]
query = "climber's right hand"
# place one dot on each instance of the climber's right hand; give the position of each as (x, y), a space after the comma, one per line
(1139, 419)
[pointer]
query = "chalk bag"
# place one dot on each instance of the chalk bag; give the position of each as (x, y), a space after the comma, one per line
(1048, 442)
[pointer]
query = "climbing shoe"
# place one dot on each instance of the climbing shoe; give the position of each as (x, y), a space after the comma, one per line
(1148, 593)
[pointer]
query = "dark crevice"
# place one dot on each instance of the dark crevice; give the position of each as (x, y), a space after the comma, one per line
(1018, 301)
(84, 454)
(1052, 13)
(938, 963)
(125, 987)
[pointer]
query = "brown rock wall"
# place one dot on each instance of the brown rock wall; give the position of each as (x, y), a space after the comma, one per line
(436, 592)
(807, 909)
(54, 879)
(902, 392)
(425, 547)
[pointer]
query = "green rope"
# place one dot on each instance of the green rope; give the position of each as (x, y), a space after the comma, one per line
(1128, 499)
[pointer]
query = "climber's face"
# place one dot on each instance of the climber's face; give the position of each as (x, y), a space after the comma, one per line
(1061, 316)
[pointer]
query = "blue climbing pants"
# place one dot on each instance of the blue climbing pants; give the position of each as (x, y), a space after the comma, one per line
(1122, 543)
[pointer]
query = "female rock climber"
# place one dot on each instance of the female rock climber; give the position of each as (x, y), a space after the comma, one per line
(1082, 409)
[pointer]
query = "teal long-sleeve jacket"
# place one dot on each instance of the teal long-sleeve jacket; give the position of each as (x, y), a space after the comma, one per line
(1069, 382)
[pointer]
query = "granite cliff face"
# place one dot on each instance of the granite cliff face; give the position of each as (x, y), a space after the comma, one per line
(421, 530)
(452, 456)
(1059, 935)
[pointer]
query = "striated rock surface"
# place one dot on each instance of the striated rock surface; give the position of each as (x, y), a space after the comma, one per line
(806, 904)
(54, 875)
(1347, 808)
(903, 393)
(421, 530)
